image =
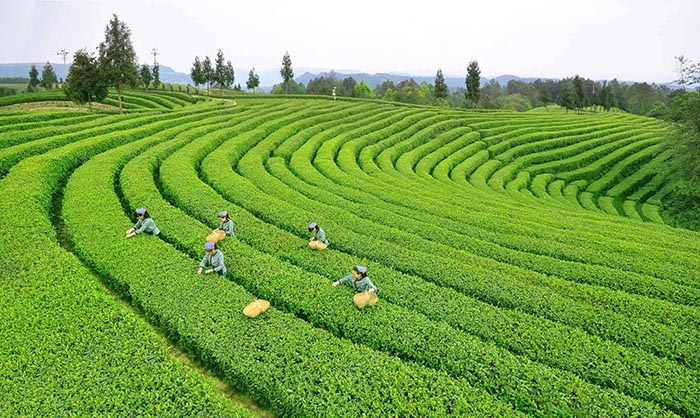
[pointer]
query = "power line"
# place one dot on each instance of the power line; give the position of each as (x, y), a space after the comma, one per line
(64, 53)
(154, 52)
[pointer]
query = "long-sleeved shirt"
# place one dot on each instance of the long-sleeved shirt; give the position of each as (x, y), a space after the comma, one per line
(227, 227)
(360, 285)
(320, 235)
(146, 225)
(216, 260)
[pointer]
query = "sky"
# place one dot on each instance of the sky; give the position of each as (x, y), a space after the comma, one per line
(633, 40)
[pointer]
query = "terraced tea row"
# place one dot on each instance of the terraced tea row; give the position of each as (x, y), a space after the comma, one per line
(257, 353)
(218, 177)
(131, 99)
(68, 346)
(505, 287)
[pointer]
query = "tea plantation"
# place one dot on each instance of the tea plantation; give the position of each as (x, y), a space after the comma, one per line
(522, 260)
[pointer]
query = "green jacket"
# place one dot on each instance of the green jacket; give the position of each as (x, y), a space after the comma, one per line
(216, 260)
(360, 285)
(227, 227)
(146, 225)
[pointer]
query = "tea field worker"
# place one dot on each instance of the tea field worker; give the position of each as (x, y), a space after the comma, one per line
(367, 291)
(318, 241)
(214, 258)
(144, 224)
(226, 228)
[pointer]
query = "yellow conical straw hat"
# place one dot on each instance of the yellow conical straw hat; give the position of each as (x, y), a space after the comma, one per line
(255, 308)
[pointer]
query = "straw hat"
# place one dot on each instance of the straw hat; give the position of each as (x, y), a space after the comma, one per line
(255, 308)
(363, 298)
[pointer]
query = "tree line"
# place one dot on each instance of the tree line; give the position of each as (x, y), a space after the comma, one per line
(683, 204)
(115, 65)
(48, 78)
(220, 75)
(573, 93)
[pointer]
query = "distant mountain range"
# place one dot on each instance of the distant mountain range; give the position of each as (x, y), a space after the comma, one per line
(167, 74)
(271, 77)
(268, 78)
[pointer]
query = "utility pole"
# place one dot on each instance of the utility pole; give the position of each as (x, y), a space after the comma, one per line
(154, 52)
(63, 52)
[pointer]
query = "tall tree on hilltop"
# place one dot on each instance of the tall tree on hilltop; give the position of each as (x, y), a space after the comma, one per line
(146, 76)
(684, 66)
(440, 85)
(286, 72)
(156, 76)
(220, 74)
(253, 80)
(208, 72)
(348, 86)
(363, 90)
(567, 96)
(473, 83)
(579, 94)
(33, 79)
(425, 93)
(197, 73)
(617, 93)
(223, 73)
(48, 76)
(544, 96)
(117, 57)
(229, 75)
(606, 99)
(382, 88)
(84, 83)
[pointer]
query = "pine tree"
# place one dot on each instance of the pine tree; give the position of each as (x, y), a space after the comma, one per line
(253, 80)
(604, 100)
(230, 77)
(286, 72)
(156, 76)
(117, 57)
(579, 94)
(544, 96)
(145, 74)
(567, 96)
(48, 77)
(220, 71)
(33, 79)
(196, 73)
(440, 85)
(473, 83)
(84, 83)
(207, 72)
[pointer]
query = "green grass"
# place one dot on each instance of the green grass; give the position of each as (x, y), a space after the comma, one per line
(522, 261)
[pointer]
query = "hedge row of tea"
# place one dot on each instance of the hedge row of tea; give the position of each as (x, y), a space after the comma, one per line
(68, 346)
(522, 262)
(135, 100)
